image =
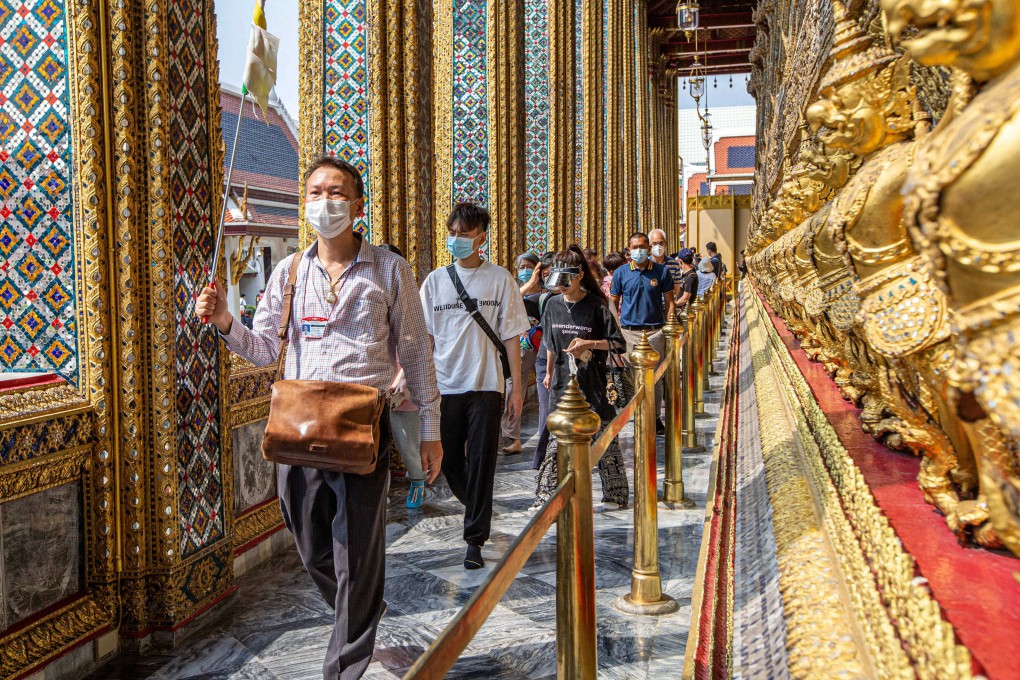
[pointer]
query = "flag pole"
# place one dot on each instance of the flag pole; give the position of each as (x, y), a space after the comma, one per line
(226, 194)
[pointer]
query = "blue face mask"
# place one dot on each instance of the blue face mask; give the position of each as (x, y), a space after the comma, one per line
(461, 247)
(639, 255)
(524, 275)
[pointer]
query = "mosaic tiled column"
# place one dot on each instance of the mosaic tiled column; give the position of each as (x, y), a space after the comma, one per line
(643, 111)
(365, 66)
(536, 132)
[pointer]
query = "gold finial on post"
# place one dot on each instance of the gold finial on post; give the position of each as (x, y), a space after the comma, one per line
(573, 423)
(645, 595)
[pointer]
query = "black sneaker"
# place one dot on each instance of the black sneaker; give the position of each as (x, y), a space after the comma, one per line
(660, 427)
(473, 557)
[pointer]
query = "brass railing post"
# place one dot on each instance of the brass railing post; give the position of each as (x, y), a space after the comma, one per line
(710, 299)
(705, 333)
(690, 436)
(696, 322)
(645, 595)
(573, 423)
(673, 484)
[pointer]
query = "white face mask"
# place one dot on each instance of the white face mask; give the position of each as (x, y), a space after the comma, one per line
(658, 251)
(328, 217)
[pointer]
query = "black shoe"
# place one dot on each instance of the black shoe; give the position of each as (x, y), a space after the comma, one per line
(660, 427)
(473, 557)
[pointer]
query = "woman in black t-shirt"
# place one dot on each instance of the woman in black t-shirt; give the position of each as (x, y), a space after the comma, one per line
(577, 323)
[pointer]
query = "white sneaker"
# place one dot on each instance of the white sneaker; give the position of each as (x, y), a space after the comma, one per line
(611, 505)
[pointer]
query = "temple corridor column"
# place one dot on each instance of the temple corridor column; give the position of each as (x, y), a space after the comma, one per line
(615, 87)
(365, 77)
(643, 118)
(505, 66)
(592, 124)
(630, 181)
(562, 111)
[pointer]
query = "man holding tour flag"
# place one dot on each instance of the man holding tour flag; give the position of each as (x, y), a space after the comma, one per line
(348, 313)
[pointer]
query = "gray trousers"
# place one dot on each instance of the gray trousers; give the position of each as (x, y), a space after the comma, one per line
(339, 527)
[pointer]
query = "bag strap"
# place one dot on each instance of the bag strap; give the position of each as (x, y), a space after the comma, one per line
(471, 305)
(288, 308)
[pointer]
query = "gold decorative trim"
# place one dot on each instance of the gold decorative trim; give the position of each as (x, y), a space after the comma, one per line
(45, 472)
(629, 187)
(903, 626)
(257, 523)
(615, 223)
(39, 402)
(817, 617)
(37, 439)
(248, 412)
(51, 636)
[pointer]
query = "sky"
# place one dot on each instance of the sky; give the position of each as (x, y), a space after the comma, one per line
(233, 24)
(720, 95)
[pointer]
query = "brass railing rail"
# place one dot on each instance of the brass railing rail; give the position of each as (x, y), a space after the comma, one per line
(444, 651)
(689, 354)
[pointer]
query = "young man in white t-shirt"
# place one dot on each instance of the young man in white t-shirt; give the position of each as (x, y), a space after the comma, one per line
(469, 369)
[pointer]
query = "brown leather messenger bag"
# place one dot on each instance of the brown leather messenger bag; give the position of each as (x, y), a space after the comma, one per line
(319, 423)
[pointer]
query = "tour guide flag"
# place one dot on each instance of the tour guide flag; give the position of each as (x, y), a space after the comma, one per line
(259, 78)
(260, 63)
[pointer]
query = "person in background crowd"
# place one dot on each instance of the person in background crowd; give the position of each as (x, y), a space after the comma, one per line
(543, 394)
(657, 239)
(580, 330)
(742, 267)
(643, 292)
(705, 276)
(405, 425)
(469, 359)
(610, 263)
(687, 288)
(258, 298)
(593, 262)
(373, 320)
(528, 275)
(718, 268)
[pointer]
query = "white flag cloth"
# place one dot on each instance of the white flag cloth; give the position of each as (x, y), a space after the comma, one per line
(260, 66)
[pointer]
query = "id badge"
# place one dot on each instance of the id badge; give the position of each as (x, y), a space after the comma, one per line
(313, 327)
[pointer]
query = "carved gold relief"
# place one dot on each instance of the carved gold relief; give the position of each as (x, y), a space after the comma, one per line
(257, 523)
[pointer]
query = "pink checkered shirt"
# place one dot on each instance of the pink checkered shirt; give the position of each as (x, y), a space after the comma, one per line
(376, 321)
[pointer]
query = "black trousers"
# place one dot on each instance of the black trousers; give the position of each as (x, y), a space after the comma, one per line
(339, 527)
(469, 429)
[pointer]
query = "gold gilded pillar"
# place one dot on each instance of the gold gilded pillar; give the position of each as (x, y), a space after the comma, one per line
(614, 126)
(643, 118)
(562, 109)
(505, 66)
(593, 163)
(400, 49)
(628, 120)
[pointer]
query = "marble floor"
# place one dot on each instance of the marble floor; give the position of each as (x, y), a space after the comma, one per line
(277, 626)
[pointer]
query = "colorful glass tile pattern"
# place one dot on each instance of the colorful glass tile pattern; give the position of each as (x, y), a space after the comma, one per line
(470, 108)
(578, 117)
(38, 272)
(196, 352)
(346, 105)
(536, 131)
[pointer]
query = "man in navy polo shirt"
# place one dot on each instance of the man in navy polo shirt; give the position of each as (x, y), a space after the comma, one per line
(643, 293)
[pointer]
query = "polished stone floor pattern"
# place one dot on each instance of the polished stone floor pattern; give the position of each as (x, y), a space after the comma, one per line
(277, 626)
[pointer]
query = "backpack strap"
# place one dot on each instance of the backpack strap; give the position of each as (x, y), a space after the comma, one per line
(471, 305)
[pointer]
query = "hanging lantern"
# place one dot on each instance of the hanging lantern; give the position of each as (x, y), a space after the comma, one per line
(697, 79)
(687, 15)
(706, 131)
